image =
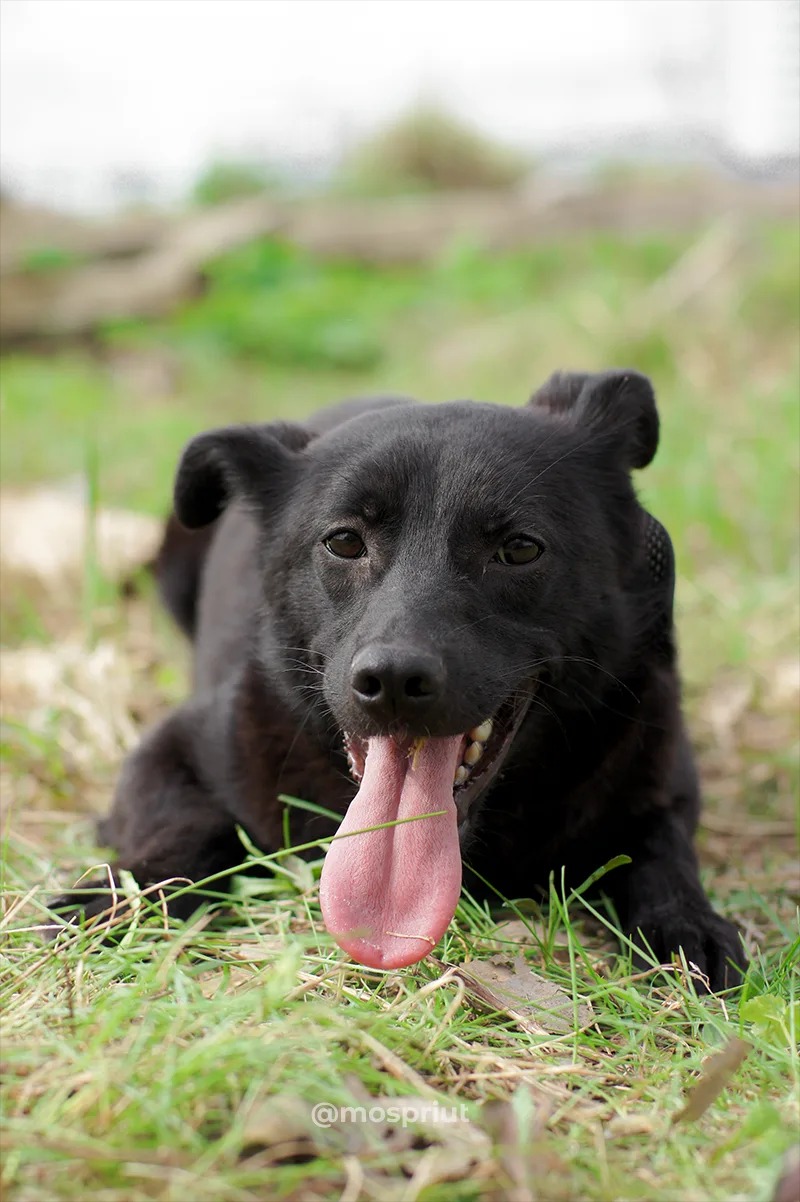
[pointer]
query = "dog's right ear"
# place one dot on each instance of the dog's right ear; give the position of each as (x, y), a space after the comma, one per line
(249, 463)
(619, 406)
(560, 393)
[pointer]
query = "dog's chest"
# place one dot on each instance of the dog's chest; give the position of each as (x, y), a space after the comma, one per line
(276, 757)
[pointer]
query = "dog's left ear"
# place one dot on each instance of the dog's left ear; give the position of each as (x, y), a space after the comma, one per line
(249, 463)
(621, 404)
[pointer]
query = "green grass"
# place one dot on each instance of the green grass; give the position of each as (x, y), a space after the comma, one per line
(185, 1062)
(182, 1062)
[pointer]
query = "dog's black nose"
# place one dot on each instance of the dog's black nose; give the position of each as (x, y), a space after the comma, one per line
(395, 682)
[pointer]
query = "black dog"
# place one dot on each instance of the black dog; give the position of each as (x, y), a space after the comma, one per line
(466, 606)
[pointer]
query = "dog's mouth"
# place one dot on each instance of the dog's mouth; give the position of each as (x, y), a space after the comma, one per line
(482, 751)
(392, 876)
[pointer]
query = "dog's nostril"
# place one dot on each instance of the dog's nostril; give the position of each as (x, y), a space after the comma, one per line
(419, 686)
(368, 686)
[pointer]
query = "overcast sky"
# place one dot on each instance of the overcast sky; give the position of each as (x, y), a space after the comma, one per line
(91, 87)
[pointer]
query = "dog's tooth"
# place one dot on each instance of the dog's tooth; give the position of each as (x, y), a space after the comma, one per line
(480, 734)
(473, 753)
(461, 775)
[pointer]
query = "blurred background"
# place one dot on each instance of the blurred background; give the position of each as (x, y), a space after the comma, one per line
(225, 211)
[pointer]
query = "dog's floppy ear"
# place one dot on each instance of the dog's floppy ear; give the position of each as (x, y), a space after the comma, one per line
(621, 404)
(560, 392)
(247, 462)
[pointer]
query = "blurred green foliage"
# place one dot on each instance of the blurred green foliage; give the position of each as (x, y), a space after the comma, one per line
(425, 150)
(233, 180)
(45, 259)
(276, 334)
(271, 302)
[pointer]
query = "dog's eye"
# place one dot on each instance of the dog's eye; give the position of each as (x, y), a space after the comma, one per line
(345, 544)
(518, 550)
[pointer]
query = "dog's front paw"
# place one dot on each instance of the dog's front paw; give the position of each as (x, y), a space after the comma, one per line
(91, 906)
(710, 944)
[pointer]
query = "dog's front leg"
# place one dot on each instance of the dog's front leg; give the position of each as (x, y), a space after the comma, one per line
(168, 827)
(662, 906)
(171, 869)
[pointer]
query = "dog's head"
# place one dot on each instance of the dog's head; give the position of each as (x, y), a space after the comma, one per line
(438, 574)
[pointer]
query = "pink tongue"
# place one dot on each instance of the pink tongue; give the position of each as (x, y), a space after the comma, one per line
(388, 896)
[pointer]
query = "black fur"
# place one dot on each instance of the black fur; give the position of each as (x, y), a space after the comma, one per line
(600, 766)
